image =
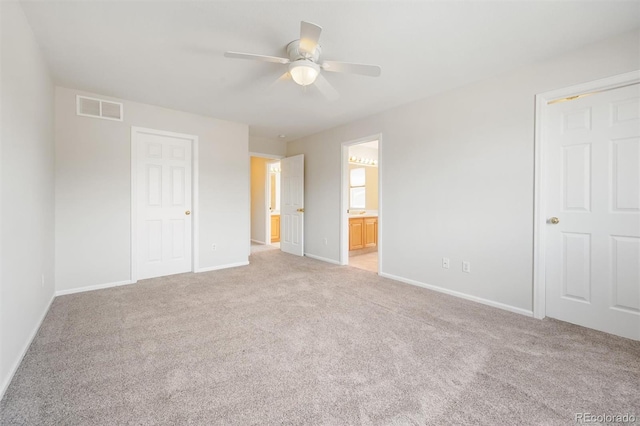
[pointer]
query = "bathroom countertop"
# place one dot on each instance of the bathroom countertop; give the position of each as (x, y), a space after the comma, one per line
(352, 215)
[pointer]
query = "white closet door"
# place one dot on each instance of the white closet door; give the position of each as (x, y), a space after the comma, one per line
(163, 204)
(593, 176)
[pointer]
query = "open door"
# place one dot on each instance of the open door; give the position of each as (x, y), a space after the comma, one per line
(292, 205)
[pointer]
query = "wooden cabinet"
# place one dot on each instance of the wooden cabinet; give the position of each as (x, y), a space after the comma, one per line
(363, 232)
(356, 233)
(370, 231)
(275, 228)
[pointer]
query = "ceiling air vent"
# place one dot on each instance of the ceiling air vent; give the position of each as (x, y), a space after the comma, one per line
(97, 108)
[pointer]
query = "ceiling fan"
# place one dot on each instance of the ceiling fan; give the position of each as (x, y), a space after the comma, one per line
(304, 67)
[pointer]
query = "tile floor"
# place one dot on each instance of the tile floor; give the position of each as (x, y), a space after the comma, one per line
(367, 261)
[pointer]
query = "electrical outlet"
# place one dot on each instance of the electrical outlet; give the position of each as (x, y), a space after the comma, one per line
(213, 247)
(466, 266)
(324, 240)
(445, 262)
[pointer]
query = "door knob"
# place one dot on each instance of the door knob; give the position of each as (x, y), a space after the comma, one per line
(300, 210)
(188, 212)
(554, 221)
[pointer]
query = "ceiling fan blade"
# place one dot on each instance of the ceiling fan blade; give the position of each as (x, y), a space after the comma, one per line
(326, 88)
(284, 77)
(309, 37)
(346, 67)
(254, 57)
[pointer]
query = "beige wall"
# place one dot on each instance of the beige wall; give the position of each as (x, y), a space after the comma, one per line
(26, 189)
(457, 177)
(258, 200)
(93, 189)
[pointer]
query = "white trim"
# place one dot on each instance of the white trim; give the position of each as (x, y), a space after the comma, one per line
(380, 208)
(93, 287)
(195, 223)
(267, 203)
(133, 275)
(540, 217)
(344, 198)
(461, 295)
(270, 156)
(539, 290)
(195, 204)
(16, 364)
(250, 218)
(322, 259)
(258, 242)
(608, 83)
(228, 265)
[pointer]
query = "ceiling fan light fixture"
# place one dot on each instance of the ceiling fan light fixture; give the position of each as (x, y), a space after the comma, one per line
(304, 72)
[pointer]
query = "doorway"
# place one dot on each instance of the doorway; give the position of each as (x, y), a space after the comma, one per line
(361, 204)
(262, 168)
(163, 203)
(277, 203)
(273, 203)
(587, 253)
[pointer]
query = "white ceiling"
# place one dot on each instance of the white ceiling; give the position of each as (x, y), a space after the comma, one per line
(171, 53)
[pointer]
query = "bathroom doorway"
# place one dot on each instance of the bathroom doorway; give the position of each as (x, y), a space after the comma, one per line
(361, 204)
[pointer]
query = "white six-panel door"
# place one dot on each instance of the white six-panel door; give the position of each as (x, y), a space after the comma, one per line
(164, 220)
(292, 205)
(593, 211)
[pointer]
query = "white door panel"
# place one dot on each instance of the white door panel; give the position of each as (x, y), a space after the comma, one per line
(292, 205)
(163, 200)
(593, 180)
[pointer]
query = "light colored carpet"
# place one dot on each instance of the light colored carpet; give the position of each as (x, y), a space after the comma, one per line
(292, 340)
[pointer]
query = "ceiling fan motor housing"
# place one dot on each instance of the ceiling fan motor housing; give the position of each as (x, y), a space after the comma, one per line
(294, 53)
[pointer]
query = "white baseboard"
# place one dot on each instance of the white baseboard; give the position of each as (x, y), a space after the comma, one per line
(259, 242)
(323, 259)
(18, 361)
(229, 265)
(461, 295)
(93, 287)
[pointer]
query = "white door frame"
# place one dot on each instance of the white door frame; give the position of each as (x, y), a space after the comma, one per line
(267, 194)
(540, 186)
(344, 199)
(195, 252)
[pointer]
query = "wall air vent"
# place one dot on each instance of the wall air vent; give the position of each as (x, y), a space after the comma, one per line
(98, 108)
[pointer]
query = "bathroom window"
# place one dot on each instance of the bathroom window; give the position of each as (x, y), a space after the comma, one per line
(357, 189)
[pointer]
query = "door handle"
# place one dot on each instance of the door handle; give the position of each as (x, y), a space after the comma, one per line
(554, 221)
(300, 210)
(188, 212)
